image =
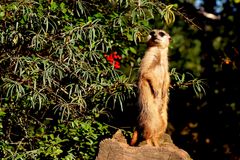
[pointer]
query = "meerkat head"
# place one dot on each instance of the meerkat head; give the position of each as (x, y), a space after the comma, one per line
(158, 38)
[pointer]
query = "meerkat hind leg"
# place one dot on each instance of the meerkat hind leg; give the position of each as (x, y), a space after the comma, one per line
(149, 142)
(153, 142)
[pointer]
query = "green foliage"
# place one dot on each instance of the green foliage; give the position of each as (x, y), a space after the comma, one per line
(185, 80)
(213, 53)
(56, 84)
(67, 140)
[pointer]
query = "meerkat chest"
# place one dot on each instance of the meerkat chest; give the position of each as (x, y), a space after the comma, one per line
(159, 71)
(161, 65)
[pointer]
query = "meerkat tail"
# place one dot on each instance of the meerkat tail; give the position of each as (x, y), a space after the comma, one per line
(134, 138)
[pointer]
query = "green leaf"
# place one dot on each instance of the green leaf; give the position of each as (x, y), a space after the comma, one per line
(76, 138)
(51, 136)
(133, 50)
(54, 5)
(2, 113)
(62, 6)
(58, 151)
(2, 14)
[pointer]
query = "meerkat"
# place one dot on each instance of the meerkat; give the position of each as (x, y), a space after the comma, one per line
(153, 85)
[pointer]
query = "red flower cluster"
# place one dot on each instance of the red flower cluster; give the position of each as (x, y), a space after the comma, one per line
(113, 59)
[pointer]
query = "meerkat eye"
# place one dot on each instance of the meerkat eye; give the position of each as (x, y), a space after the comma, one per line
(152, 33)
(161, 34)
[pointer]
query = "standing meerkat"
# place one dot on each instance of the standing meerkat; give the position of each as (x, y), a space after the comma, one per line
(153, 87)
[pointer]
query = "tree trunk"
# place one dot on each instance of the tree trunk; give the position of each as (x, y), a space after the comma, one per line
(118, 149)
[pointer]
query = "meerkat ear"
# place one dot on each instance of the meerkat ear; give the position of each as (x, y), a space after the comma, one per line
(149, 37)
(170, 39)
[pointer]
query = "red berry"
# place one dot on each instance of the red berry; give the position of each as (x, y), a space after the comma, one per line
(117, 65)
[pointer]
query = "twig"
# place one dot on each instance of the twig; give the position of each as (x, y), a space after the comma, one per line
(163, 5)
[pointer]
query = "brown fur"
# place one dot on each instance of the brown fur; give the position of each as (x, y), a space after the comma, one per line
(153, 88)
